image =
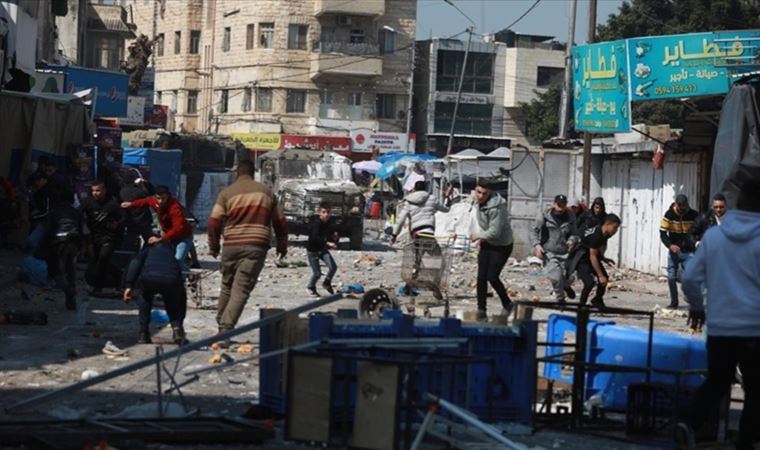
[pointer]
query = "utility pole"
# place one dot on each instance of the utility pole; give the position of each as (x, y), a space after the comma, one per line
(411, 92)
(459, 91)
(567, 88)
(586, 135)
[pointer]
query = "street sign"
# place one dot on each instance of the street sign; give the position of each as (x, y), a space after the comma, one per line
(600, 87)
(688, 65)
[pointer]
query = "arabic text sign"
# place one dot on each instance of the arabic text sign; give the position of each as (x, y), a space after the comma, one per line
(364, 142)
(687, 65)
(600, 87)
(258, 141)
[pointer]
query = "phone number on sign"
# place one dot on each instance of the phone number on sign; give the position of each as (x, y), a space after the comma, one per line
(677, 89)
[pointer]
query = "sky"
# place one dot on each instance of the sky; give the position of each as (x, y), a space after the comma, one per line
(549, 17)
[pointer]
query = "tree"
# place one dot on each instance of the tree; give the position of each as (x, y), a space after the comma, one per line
(653, 18)
(542, 114)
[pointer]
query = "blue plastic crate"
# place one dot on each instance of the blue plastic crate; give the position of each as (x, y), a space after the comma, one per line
(613, 344)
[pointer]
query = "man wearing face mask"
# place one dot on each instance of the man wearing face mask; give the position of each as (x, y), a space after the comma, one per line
(675, 229)
(709, 219)
(551, 242)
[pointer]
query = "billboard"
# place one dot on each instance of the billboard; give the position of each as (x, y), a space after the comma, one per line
(338, 144)
(365, 141)
(687, 65)
(600, 87)
(112, 88)
(258, 141)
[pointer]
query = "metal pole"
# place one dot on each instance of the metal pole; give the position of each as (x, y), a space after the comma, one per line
(586, 135)
(410, 105)
(158, 382)
(567, 87)
(459, 92)
(76, 387)
(579, 370)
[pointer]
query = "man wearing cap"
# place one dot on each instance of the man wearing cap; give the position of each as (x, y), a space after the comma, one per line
(551, 243)
(675, 235)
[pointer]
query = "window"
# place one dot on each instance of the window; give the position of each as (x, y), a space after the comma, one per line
(173, 102)
(177, 42)
(327, 97)
(471, 118)
(357, 37)
(266, 35)
(387, 41)
(160, 44)
(246, 106)
(478, 75)
(227, 39)
(546, 76)
(355, 99)
(192, 102)
(249, 36)
(297, 37)
(195, 42)
(158, 97)
(296, 102)
(263, 100)
(224, 101)
(386, 106)
(105, 53)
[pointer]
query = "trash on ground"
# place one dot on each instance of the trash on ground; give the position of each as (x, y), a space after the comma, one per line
(89, 373)
(113, 350)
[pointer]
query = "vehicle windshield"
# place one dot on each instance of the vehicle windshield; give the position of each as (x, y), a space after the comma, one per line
(322, 170)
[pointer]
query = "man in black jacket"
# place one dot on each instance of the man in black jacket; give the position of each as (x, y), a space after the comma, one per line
(105, 219)
(321, 239)
(139, 219)
(709, 219)
(675, 228)
(588, 259)
(64, 232)
(157, 271)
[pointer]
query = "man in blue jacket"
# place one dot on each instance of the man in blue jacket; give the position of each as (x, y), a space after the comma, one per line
(157, 271)
(727, 263)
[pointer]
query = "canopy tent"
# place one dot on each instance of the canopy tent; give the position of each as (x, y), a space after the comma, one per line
(469, 166)
(392, 163)
(366, 166)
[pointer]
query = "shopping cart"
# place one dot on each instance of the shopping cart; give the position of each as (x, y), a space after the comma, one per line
(426, 264)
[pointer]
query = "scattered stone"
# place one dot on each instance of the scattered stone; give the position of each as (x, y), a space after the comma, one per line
(89, 373)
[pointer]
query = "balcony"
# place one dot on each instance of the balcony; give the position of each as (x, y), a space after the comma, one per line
(344, 58)
(350, 7)
(341, 112)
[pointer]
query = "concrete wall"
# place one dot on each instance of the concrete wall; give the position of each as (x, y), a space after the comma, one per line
(521, 72)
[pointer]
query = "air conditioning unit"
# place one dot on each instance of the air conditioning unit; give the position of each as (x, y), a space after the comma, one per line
(343, 21)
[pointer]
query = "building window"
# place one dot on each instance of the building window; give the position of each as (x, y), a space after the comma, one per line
(158, 97)
(355, 99)
(227, 39)
(249, 36)
(266, 35)
(177, 42)
(471, 119)
(105, 53)
(357, 37)
(246, 106)
(387, 41)
(173, 102)
(327, 97)
(195, 42)
(546, 76)
(297, 37)
(478, 75)
(192, 102)
(224, 101)
(386, 106)
(296, 102)
(160, 44)
(263, 100)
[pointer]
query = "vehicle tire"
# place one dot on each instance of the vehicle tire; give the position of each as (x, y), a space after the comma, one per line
(374, 302)
(357, 235)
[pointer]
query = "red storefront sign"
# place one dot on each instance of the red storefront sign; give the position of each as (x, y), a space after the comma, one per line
(337, 144)
(156, 116)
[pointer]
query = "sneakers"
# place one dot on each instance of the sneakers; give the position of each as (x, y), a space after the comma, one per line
(684, 437)
(570, 292)
(144, 338)
(482, 315)
(507, 309)
(328, 287)
(672, 306)
(178, 335)
(313, 292)
(599, 303)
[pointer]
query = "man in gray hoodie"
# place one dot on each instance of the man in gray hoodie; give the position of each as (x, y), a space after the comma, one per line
(495, 239)
(419, 207)
(727, 263)
(551, 241)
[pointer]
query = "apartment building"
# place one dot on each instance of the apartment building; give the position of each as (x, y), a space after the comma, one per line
(307, 67)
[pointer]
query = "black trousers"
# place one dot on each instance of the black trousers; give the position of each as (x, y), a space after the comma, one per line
(66, 253)
(723, 355)
(491, 261)
(101, 272)
(175, 301)
(588, 276)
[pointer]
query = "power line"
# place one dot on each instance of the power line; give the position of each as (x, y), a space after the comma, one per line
(524, 14)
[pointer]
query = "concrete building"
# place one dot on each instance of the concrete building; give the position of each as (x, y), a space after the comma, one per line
(94, 32)
(27, 34)
(480, 117)
(310, 67)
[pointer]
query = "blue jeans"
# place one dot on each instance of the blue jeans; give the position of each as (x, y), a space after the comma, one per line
(181, 249)
(326, 257)
(674, 261)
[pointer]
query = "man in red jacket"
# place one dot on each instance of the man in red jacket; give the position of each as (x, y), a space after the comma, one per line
(176, 229)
